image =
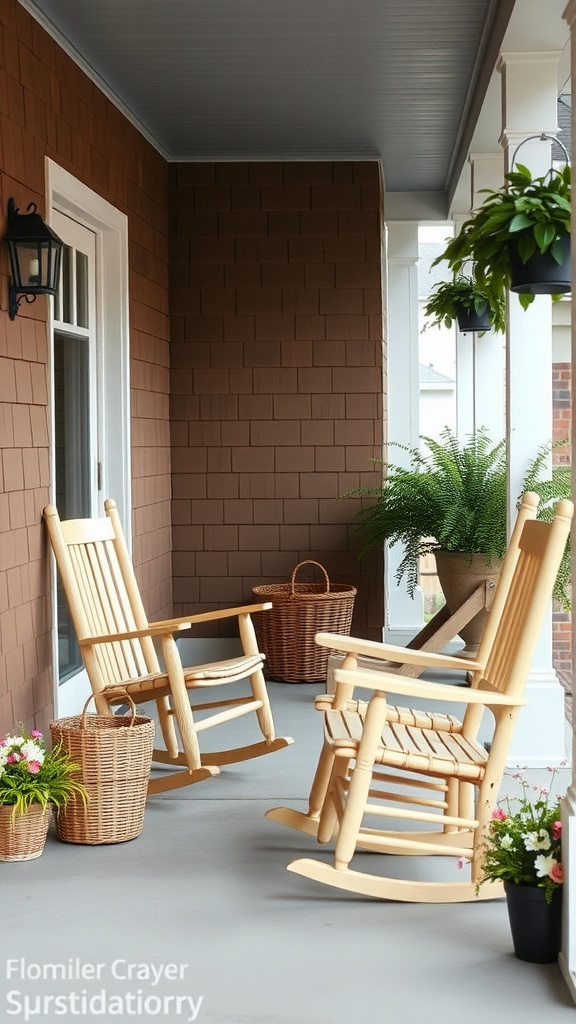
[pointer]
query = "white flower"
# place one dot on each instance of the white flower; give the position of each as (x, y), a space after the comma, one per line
(543, 865)
(32, 751)
(537, 840)
(506, 842)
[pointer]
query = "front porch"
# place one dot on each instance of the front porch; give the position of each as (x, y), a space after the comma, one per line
(205, 886)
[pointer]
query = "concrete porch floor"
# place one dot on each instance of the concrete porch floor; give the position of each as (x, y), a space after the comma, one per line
(204, 887)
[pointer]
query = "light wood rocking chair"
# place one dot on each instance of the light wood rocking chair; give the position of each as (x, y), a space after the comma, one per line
(446, 781)
(115, 639)
(396, 660)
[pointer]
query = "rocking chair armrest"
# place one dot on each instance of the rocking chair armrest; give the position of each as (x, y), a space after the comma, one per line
(387, 682)
(168, 626)
(388, 652)
(218, 613)
(155, 629)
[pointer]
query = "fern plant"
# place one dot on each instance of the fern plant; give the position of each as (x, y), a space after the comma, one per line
(450, 497)
(453, 497)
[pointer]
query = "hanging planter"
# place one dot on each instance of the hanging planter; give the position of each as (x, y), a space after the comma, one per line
(470, 320)
(542, 274)
(521, 229)
(462, 301)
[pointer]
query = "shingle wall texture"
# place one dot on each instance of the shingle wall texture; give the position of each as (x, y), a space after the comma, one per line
(48, 107)
(276, 375)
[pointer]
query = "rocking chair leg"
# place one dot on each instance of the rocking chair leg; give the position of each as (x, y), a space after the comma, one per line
(308, 822)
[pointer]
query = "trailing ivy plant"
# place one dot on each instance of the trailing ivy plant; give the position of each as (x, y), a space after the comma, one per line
(529, 214)
(452, 496)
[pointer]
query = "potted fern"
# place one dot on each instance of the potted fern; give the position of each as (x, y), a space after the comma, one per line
(519, 238)
(463, 301)
(451, 500)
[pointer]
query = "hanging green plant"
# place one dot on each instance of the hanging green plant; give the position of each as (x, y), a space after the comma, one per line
(459, 299)
(527, 218)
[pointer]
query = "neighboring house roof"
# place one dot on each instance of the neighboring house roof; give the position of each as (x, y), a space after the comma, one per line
(428, 375)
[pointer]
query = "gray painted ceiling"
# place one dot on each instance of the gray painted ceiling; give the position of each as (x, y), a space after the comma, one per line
(294, 79)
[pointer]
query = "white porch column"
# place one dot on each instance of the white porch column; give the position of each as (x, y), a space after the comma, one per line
(404, 615)
(568, 952)
(488, 351)
(529, 103)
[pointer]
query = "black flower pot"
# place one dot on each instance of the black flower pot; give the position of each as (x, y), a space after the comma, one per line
(469, 320)
(541, 274)
(536, 925)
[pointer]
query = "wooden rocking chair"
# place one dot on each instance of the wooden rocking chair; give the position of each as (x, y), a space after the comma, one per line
(387, 657)
(446, 781)
(115, 640)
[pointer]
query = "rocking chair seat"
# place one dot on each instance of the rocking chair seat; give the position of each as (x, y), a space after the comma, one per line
(445, 754)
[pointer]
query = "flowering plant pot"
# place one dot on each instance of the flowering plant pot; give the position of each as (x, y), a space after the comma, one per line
(31, 782)
(535, 922)
(22, 836)
(523, 849)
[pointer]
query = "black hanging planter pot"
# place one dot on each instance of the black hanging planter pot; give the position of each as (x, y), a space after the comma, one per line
(536, 925)
(469, 320)
(541, 274)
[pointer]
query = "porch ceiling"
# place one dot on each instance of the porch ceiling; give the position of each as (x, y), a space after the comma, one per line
(396, 80)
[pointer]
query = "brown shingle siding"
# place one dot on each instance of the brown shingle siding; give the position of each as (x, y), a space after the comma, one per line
(48, 107)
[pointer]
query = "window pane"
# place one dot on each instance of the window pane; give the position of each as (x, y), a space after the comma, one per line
(72, 444)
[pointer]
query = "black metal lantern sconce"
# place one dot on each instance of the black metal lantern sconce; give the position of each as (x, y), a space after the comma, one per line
(35, 256)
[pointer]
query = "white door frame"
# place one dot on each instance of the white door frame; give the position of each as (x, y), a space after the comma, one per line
(68, 195)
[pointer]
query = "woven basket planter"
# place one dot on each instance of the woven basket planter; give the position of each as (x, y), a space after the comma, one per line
(23, 836)
(286, 633)
(115, 754)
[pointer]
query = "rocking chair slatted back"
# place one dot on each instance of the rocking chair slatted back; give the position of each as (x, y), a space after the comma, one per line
(522, 615)
(103, 596)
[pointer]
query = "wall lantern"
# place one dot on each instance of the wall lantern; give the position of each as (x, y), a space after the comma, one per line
(35, 256)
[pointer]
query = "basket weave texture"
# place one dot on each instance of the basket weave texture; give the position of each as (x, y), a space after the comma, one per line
(22, 836)
(300, 610)
(115, 754)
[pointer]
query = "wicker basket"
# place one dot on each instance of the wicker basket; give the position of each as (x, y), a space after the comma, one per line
(299, 611)
(22, 836)
(115, 754)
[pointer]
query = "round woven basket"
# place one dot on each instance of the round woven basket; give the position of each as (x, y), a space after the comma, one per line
(286, 633)
(115, 755)
(23, 836)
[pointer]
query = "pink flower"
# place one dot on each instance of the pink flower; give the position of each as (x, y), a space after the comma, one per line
(34, 767)
(461, 863)
(12, 759)
(498, 815)
(556, 873)
(556, 829)
(36, 735)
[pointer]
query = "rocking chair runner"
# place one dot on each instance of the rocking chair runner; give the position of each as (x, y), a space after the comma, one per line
(115, 640)
(446, 781)
(404, 661)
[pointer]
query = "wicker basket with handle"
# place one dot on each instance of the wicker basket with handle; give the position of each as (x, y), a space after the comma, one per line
(300, 610)
(115, 754)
